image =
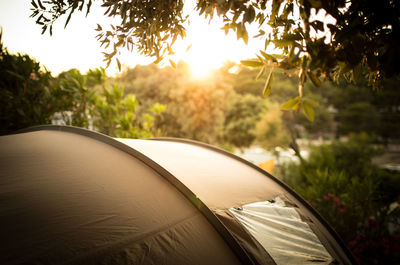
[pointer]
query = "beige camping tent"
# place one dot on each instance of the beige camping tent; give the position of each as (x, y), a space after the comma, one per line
(72, 196)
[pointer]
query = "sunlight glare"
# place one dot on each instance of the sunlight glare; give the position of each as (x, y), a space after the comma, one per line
(202, 63)
(210, 47)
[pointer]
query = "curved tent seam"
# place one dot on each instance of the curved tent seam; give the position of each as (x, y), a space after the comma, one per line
(236, 248)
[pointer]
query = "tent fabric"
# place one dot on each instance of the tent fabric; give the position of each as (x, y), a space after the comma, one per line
(72, 196)
(224, 181)
(69, 199)
(254, 249)
(279, 228)
(220, 181)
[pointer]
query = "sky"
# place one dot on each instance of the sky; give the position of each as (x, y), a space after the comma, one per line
(76, 46)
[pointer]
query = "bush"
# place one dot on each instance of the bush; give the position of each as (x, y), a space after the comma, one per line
(340, 181)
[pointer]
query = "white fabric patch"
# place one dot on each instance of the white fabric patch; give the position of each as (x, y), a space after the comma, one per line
(280, 230)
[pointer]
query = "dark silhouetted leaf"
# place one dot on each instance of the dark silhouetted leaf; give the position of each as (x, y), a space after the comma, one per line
(119, 65)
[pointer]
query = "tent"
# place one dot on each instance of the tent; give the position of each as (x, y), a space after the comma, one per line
(73, 196)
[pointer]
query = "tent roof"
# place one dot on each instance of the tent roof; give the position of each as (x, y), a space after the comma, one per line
(80, 196)
(220, 181)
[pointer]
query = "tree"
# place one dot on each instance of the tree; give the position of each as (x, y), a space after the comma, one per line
(242, 115)
(25, 92)
(194, 109)
(361, 38)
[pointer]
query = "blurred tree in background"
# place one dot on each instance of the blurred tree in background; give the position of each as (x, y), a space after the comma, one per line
(30, 96)
(241, 118)
(25, 92)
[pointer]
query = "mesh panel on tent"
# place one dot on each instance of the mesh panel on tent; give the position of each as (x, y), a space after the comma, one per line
(280, 230)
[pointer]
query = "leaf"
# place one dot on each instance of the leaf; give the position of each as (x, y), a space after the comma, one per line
(268, 56)
(188, 47)
(40, 4)
(291, 104)
(44, 28)
(318, 25)
(252, 63)
(308, 111)
(89, 4)
(173, 64)
(316, 81)
(34, 4)
(119, 64)
(262, 72)
(69, 17)
(268, 84)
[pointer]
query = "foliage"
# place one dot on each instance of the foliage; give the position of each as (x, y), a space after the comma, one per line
(353, 194)
(74, 96)
(195, 108)
(361, 37)
(270, 130)
(358, 117)
(241, 117)
(360, 108)
(116, 115)
(149, 26)
(25, 92)
(30, 96)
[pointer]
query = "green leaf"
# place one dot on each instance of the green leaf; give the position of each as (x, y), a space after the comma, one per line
(262, 72)
(291, 104)
(308, 111)
(268, 84)
(268, 57)
(316, 81)
(252, 63)
(173, 64)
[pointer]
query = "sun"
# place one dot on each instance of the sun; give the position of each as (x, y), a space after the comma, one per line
(202, 65)
(209, 49)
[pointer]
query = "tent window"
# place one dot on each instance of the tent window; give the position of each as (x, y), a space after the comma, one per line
(280, 230)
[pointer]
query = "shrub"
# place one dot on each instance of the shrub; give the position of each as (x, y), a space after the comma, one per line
(340, 181)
